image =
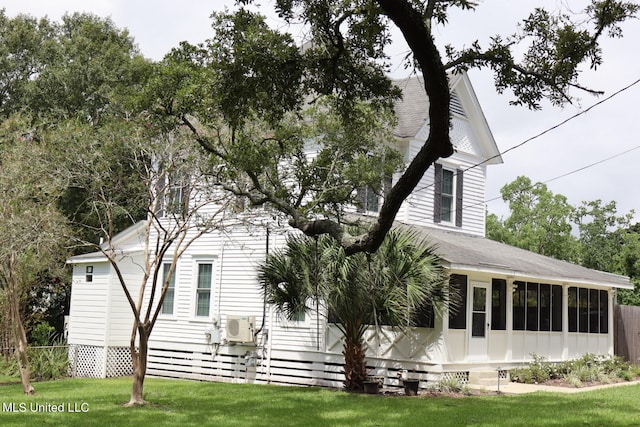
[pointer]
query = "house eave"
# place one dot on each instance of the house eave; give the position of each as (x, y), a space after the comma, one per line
(520, 275)
(98, 257)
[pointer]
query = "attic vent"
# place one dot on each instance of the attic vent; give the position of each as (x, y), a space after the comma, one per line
(456, 106)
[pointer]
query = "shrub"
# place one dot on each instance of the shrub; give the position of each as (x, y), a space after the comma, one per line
(588, 368)
(447, 385)
(43, 334)
(521, 375)
(49, 363)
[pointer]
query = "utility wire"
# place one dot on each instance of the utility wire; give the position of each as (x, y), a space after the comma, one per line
(565, 174)
(526, 141)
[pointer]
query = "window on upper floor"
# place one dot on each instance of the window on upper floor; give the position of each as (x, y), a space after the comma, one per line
(178, 197)
(173, 195)
(88, 274)
(448, 186)
(370, 200)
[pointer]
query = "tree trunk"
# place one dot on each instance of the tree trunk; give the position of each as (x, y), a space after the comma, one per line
(19, 339)
(139, 361)
(355, 365)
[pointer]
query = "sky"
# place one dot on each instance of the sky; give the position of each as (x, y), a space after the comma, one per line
(595, 155)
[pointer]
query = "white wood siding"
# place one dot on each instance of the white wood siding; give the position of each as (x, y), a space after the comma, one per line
(120, 321)
(88, 308)
(418, 208)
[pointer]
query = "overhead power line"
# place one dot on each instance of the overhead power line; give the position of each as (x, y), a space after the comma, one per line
(566, 174)
(556, 126)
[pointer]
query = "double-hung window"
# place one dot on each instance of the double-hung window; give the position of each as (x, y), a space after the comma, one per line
(370, 200)
(169, 297)
(203, 289)
(447, 204)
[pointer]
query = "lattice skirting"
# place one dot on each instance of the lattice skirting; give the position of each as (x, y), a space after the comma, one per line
(461, 376)
(119, 362)
(89, 361)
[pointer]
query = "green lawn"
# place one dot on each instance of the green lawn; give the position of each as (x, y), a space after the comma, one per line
(186, 403)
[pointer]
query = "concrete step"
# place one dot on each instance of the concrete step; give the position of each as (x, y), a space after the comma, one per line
(488, 378)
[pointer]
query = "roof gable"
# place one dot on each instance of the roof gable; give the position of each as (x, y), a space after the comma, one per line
(129, 240)
(470, 132)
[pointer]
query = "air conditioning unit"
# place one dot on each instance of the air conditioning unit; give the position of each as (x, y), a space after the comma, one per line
(240, 328)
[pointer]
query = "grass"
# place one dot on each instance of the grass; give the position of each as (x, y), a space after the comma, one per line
(187, 403)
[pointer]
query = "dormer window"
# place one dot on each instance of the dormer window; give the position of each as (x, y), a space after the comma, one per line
(447, 204)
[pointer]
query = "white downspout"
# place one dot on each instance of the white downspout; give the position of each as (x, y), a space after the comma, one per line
(270, 344)
(107, 323)
(220, 280)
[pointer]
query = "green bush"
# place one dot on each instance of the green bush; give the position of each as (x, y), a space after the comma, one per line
(49, 363)
(9, 368)
(588, 368)
(43, 334)
(448, 385)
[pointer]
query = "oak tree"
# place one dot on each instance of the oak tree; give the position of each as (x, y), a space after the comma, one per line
(246, 96)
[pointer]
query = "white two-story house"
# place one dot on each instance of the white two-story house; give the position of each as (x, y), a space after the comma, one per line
(215, 324)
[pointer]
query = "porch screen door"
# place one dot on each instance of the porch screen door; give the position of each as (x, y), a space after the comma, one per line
(480, 303)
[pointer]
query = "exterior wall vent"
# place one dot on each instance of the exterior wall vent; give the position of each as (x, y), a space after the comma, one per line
(456, 106)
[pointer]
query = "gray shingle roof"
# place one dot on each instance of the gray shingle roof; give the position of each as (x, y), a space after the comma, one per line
(477, 253)
(413, 109)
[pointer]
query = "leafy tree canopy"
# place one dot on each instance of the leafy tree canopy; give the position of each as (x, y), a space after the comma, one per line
(539, 220)
(70, 82)
(248, 93)
(593, 234)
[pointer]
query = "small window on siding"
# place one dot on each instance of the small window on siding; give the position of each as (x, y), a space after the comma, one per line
(88, 274)
(203, 289)
(167, 304)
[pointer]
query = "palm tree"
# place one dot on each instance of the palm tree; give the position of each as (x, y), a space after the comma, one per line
(388, 287)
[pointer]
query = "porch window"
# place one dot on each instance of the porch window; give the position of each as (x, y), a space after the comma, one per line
(425, 317)
(167, 304)
(556, 308)
(588, 310)
(537, 307)
(203, 290)
(458, 313)
(498, 304)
